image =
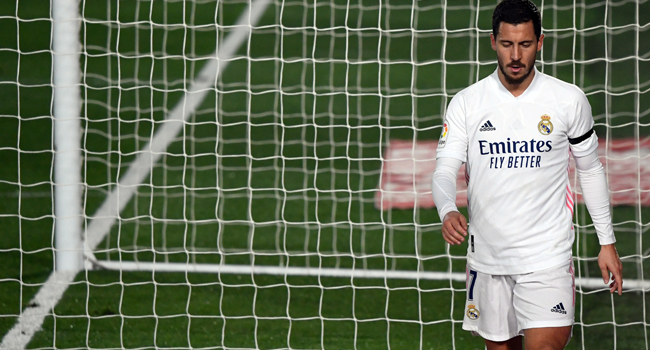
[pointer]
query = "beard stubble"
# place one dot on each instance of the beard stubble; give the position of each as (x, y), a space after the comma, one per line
(515, 81)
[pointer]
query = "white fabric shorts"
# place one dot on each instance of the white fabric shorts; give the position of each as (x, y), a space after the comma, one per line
(500, 307)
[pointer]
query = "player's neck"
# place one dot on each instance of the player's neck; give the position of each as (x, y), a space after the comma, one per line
(517, 89)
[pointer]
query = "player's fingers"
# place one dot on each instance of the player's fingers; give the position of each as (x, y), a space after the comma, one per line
(615, 287)
(617, 273)
(605, 273)
(450, 239)
(458, 226)
(451, 236)
(455, 224)
(446, 236)
(463, 222)
(449, 231)
(616, 284)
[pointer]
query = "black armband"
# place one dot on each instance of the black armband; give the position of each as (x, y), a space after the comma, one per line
(577, 140)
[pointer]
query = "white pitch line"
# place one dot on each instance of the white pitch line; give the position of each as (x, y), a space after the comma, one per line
(31, 319)
(106, 216)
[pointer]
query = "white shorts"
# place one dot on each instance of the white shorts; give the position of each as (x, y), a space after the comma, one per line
(501, 307)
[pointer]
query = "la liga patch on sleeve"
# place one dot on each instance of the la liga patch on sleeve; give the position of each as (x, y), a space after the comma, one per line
(443, 136)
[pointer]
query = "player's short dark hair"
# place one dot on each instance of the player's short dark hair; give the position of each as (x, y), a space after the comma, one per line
(515, 12)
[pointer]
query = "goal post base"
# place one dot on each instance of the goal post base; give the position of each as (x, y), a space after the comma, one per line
(581, 282)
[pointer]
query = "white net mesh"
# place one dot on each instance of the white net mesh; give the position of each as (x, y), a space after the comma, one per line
(286, 150)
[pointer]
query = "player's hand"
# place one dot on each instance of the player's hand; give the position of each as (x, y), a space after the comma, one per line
(454, 228)
(608, 261)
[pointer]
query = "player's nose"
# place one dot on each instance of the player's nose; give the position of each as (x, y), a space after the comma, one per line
(515, 54)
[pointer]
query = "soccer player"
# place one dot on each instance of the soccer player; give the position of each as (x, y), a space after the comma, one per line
(515, 130)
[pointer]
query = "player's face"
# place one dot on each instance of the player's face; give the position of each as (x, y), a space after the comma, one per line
(516, 47)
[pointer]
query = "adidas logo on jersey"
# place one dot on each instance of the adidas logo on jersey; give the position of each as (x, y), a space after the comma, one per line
(487, 127)
(559, 308)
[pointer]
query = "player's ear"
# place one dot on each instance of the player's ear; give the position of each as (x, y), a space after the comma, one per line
(540, 42)
(494, 42)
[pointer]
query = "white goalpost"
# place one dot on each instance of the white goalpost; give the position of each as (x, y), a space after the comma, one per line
(289, 145)
(67, 134)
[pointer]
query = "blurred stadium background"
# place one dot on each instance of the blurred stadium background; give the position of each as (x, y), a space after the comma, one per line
(280, 164)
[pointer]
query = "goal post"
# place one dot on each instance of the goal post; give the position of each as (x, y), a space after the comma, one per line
(66, 71)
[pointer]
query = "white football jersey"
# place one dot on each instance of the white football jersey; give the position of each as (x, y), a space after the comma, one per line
(516, 151)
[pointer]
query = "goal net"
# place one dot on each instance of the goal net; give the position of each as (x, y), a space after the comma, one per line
(256, 174)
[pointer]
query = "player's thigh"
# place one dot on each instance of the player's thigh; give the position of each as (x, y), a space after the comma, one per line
(550, 338)
(510, 344)
(545, 299)
(489, 311)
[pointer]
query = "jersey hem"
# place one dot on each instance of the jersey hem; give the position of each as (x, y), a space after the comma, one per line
(547, 324)
(520, 268)
(607, 240)
(446, 210)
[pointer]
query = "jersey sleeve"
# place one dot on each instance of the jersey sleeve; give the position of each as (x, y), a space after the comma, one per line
(582, 138)
(443, 185)
(596, 195)
(453, 139)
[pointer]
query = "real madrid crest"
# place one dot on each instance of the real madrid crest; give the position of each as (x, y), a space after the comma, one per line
(472, 312)
(545, 127)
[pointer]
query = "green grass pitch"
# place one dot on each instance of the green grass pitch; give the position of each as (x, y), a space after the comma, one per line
(281, 167)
